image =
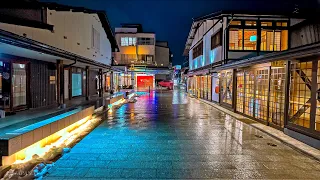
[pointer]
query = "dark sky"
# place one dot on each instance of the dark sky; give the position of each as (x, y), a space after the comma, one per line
(171, 19)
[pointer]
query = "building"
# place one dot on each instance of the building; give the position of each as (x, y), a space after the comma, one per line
(51, 54)
(260, 66)
(143, 59)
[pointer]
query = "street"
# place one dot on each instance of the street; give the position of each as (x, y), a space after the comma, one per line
(168, 135)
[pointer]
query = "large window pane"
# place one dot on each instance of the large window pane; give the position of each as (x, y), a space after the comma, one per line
(240, 91)
(284, 40)
(250, 39)
(300, 94)
(261, 94)
(19, 84)
(267, 40)
(235, 39)
(276, 112)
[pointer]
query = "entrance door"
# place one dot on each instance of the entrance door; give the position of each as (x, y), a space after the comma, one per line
(66, 84)
(19, 85)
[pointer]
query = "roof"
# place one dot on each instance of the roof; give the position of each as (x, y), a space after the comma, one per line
(58, 7)
(219, 14)
(25, 22)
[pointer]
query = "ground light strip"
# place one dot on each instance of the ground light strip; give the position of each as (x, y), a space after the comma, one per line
(62, 138)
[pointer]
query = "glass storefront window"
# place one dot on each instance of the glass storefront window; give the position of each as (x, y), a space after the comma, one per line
(205, 87)
(277, 96)
(198, 86)
(19, 84)
(261, 94)
(240, 91)
(317, 118)
(226, 87)
(300, 94)
(249, 93)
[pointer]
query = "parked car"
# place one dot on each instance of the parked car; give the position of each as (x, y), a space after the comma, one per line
(166, 83)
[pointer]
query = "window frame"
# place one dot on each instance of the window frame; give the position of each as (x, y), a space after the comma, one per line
(259, 29)
(214, 39)
(197, 50)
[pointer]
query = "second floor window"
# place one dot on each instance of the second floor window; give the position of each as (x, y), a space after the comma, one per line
(274, 40)
(198, 50)
(128, 41)
(216, 40)
(145, 41)
(95, 41)
(242, 39)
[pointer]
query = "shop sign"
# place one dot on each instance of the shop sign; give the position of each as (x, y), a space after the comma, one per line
(277, 64)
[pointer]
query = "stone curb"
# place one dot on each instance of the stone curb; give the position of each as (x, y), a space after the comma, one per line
(277, 134)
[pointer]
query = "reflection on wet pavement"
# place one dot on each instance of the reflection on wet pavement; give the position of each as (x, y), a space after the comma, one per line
(166, 135)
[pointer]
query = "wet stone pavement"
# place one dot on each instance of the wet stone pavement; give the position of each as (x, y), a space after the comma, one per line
(169, 136)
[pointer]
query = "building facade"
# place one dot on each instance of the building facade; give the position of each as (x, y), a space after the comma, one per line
(143, 59)
(238, 62)
(52, 53)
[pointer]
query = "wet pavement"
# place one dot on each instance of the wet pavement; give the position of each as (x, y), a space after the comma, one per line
(168, 135)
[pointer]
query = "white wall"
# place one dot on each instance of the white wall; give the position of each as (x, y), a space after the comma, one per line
(76, 27)
(204, 34)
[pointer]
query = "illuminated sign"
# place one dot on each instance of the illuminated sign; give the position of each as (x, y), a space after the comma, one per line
(253, 38)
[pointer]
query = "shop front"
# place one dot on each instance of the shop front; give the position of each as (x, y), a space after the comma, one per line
(226, 88)
(260, 93)
(304, 97)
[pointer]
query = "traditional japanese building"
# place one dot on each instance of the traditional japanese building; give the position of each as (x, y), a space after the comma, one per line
(52, 53)
(260, 65)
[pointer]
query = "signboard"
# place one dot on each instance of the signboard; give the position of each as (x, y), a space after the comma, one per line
(277, 64)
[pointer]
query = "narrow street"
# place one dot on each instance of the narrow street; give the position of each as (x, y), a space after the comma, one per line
(167, 135)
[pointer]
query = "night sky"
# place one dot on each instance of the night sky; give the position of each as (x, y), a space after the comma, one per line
(171, 19)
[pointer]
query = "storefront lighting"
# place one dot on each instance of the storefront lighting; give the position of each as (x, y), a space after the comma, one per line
(60, 139)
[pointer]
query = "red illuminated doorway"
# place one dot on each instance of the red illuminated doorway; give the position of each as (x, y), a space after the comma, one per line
(143, 82)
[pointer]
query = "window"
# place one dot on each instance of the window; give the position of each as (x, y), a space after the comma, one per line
(128, 41)
(282, 24)
(95, 43)
(198, 50)
(145, 41)
(266, 23)
(235, 39)
(236, 23)
(274, 40)
(251, 23)
(216, 40)
(250, 39)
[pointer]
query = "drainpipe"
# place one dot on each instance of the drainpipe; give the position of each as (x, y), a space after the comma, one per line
(69, 65)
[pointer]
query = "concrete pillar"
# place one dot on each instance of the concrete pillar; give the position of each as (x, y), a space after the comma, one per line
(87, 83)
(60, 83)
